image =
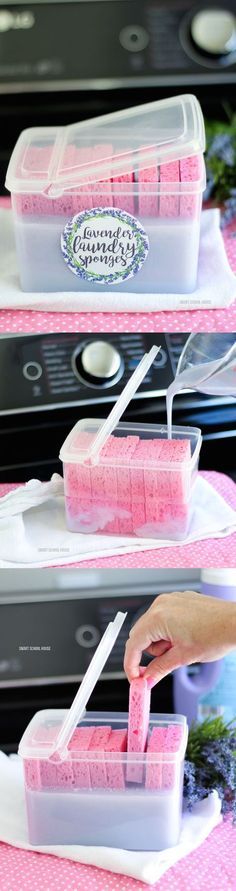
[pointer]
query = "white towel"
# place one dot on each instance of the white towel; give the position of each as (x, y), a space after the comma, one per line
(147, 867)
(216, 282)
(33, 517)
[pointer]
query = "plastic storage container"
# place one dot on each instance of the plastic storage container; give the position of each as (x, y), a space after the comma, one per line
(109, 201)
(85, 799)
(141, 484)
(83, 788)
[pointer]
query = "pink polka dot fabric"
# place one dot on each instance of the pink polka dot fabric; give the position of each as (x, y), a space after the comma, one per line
(211, 866)
(218, 552)
(195, 320)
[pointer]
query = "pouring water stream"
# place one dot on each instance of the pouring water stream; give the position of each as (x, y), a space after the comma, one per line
(198, 370)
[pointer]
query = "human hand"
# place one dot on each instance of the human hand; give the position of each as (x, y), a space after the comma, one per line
(180, 629)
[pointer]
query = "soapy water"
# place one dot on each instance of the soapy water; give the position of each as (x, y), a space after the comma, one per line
(111, 819)
(216, 377)
(173, 522)
(43, 267)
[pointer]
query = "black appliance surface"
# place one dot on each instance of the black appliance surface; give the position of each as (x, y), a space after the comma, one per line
(88, 57)
(110, 43)
(48, 638)
(45, 388)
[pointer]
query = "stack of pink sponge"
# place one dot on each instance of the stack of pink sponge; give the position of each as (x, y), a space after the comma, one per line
(134, 191)
(95, 762)
(116, 744)
(97, 768)
(96, 754)
(80, 742)
(156, 745)
(163, 742)
(143, 482)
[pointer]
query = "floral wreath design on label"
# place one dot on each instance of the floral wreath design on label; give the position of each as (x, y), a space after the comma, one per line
(71, 233)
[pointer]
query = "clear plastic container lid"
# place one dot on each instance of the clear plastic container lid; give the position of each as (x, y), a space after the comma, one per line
(123, 400)
(89, 681)
(73, 451)
(74, 715)
(155, 133)
(38, 738)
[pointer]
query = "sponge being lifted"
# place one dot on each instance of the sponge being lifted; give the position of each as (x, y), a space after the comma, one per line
(139, 710)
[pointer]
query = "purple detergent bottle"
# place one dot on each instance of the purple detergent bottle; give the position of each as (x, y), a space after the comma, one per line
(209, 689)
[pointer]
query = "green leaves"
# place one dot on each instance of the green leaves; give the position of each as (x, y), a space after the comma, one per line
(221, 159)
(201, 734)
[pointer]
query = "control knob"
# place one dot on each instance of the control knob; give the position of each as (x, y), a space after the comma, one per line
(214, 31)
(98, 363)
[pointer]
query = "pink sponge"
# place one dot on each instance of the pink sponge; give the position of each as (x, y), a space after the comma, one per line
(148, 197)
(47, 768)
(35, 160)
(81, 195)
(169, 483)
(82, 439)
(101, 191)
(116, 744)
(32, 773)
(169, 202)
(120, 450)
(70, 479)
(138, 515)
(77, 479)
(63, 205)
(125, 450)
(172, 483)
(104, 484)
(126, 447)
(80, 742)
(139, 709)
(163, 741)
(156, 745)
(146, 454)
(64, 775)
(125, 517)
(171, 514)
(121, 198)
(98, 776)
(136, 471)
(180, 478)
(77, 198)
(48, 773)
(153, 511)
(46, 734)
(190, 171)
(103, 475)
(172, 744)
(180, 515)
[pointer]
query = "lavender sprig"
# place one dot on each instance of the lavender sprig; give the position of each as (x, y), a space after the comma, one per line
(211, 764)
(222, 148)
(229, 213)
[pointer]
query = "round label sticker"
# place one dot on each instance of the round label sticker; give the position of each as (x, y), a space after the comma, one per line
(104, 245)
